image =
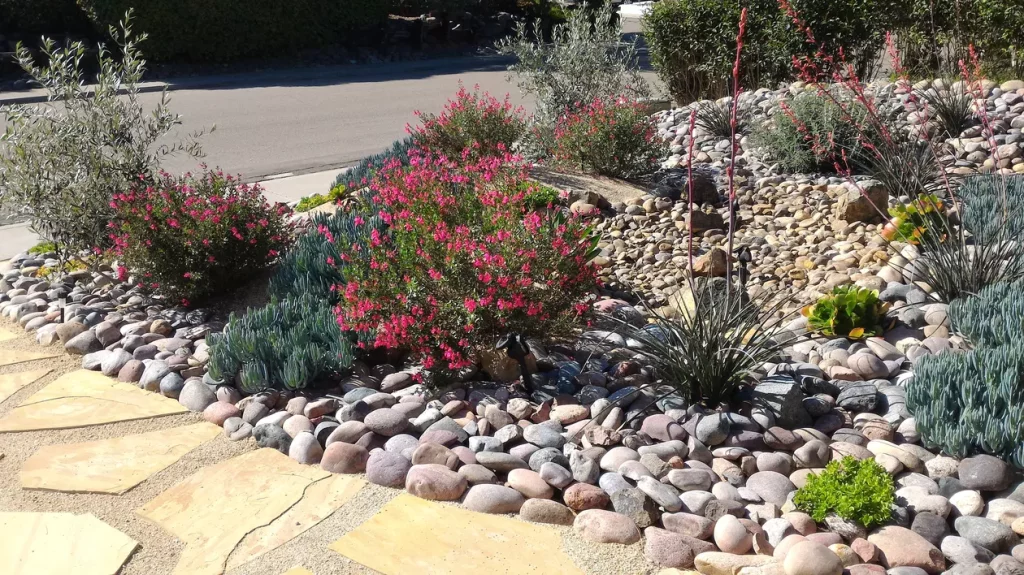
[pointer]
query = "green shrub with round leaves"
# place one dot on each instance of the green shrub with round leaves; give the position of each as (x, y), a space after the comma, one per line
(856, 490)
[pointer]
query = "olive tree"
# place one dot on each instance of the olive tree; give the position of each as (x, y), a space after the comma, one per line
(62, 161)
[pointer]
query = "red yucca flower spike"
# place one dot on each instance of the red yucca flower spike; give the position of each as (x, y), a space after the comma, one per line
(733, 149)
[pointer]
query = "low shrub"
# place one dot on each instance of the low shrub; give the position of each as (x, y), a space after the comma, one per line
(858, 491)
(847, 311)
(610, 137)
(222, 30)
(43, 248)
(307, 203)
(580, 60)
(539, 196)
(968, 403)
(809, 134)
(288, 344)
(60, 166)
(462, 263)
(193, 236)
(471, 125)
(693, 42)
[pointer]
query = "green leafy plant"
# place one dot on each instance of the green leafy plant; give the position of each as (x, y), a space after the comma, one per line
(848, 311)
(288, 344)
(61, 165)
(309, 202)
(610, 137)
(913, 220)
(539, 196)
(693, 42)
(579, 61)
(717, 340)
(42, 248)
(856, 490)
(811, 132)
(223, 30)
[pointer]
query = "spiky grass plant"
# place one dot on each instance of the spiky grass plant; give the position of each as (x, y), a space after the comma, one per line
(718, 341)
(984, 248)
(716, 119)
(952, 109)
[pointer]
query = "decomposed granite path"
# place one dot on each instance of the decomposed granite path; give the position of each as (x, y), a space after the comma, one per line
(99, 477)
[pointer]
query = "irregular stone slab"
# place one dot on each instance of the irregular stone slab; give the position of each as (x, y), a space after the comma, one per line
(12, 383)
(11, 357)
(215, 508)
(111, 465)
(83, 398)
(413, 535)
(55, 543)
(7, 335)
(298, 570)
(321, 500)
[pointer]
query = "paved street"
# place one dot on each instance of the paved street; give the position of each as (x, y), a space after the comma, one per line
(310, 122)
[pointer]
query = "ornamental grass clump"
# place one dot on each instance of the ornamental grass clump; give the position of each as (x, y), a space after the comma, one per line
(473, 124)
(858, 491)
(609, 136)
(462, 262)
(193, 236)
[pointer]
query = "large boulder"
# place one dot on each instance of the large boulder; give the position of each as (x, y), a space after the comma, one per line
(867, 202)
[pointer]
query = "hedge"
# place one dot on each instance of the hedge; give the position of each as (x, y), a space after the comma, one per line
(27, 19)
(223, 30)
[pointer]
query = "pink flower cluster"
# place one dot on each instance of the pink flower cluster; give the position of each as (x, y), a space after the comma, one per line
(462, 261)
(473, 124)
(195, 235)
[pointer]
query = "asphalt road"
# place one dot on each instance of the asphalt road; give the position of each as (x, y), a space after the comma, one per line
(317, 119)
(313, 120)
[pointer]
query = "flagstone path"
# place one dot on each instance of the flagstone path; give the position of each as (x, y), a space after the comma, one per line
(111, 479)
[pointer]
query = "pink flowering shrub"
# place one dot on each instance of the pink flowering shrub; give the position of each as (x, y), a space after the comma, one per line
(474, 124)
(193, 236)
(461, 261)
(610, 137)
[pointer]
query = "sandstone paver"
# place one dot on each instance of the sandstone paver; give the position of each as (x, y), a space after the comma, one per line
(82, 398)
(320, 500)
(7, 335)
(12, 356)
(111, 465)
(59, 544)
(11, 383)
(413, 535)
(215, 508)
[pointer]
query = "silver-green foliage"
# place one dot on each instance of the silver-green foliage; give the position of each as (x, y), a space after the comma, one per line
(61, 161)
(994, 318)
(716, 344)
(312, 266)
(290, 344)
(960, 261)
(584, 59)
(970, 402)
